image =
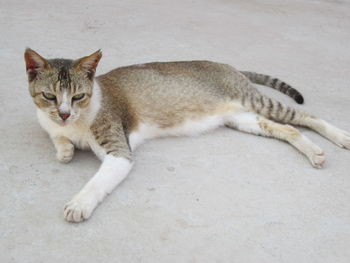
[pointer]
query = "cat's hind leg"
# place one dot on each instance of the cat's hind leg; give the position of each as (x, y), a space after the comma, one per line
(332, 133)
(278, 112)
(253, 123)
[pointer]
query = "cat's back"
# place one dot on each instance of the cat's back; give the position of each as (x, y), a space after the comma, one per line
(173, 68)
(163, 75)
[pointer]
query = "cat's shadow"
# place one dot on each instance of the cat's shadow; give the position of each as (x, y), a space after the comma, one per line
(85, 156)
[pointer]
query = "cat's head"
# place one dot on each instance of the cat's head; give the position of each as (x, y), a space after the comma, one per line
(61, 88)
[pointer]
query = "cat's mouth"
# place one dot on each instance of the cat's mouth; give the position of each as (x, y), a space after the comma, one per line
(66, 122)
(63, 122)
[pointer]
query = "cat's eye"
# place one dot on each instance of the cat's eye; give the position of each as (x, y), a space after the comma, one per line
(79, 96)
(49, 96)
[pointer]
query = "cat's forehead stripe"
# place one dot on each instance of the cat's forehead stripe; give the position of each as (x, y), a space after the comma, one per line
(63, 66)
(64, 78)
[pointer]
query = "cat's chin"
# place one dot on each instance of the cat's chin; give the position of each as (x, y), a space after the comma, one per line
(63, 123)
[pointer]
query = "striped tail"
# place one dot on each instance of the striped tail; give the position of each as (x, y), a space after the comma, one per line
(274, 83)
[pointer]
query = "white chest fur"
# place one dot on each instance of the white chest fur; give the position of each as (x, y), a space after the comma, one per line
(78, 132)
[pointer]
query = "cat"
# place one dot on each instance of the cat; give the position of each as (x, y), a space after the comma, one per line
(114, 113)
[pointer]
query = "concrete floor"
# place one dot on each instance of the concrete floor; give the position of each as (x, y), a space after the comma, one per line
(221, 197)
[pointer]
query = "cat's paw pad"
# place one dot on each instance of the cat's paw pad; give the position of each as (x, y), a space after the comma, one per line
(79, 209)
(65, 154)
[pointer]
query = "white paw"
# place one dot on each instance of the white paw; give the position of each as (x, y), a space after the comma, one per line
(65, 153)
(312, 151)
(80, 207)
(316, 155)
(343, 139)
(317, 159)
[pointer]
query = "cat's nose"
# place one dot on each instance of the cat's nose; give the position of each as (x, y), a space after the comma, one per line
(64, 116)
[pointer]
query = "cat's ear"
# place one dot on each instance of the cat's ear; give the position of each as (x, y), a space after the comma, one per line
(34, 63)
(88, 64)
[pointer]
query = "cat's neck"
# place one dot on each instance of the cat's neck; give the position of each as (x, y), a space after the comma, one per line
(90, 113)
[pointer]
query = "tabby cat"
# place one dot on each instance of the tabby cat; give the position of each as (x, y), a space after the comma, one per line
(114, 113)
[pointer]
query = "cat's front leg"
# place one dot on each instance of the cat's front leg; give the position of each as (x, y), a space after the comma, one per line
(64, 148)
(116, 164)
(112, 172)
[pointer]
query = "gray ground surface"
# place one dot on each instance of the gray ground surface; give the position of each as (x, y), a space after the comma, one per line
(221, 197)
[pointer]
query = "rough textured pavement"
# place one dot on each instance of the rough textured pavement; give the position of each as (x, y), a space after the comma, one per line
(221, 197)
